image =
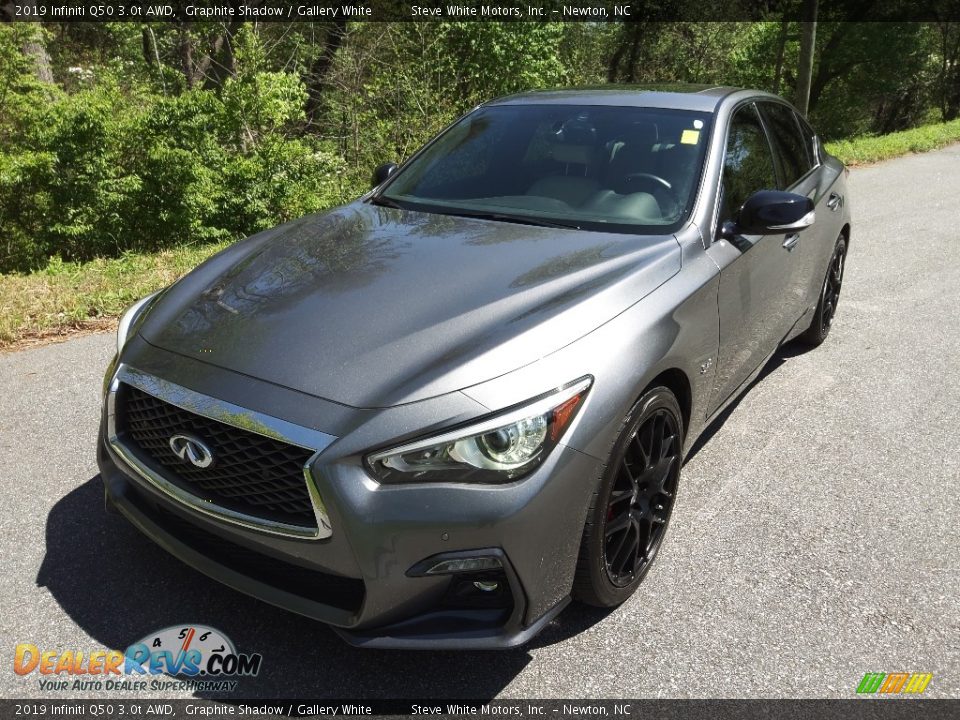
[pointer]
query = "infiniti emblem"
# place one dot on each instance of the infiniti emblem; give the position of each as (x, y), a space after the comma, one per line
(191, 449)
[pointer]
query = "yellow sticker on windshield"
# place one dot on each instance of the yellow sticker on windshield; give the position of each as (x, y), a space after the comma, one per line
(690, 137)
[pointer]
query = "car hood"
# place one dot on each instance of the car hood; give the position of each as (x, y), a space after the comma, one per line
(372, 307)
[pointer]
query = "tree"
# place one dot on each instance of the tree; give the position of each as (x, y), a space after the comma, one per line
(206, 50)
(622, 66)
(781, 49)
(808, 43)
(316, 78)
(948, 80)
(36, 50)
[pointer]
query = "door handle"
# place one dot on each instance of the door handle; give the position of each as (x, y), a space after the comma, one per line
(834, 201)
(790, 242)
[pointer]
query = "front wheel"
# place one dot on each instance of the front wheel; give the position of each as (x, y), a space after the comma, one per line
(829, 297)
(631, 508)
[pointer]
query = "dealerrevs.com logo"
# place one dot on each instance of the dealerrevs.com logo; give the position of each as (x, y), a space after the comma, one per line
(200, 657)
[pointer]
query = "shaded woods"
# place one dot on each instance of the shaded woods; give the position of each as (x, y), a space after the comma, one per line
(124, 136)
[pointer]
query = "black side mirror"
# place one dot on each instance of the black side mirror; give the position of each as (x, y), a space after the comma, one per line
(383, 172)
(774, 211)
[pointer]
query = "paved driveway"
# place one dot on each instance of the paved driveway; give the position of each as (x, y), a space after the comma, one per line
(815, 538)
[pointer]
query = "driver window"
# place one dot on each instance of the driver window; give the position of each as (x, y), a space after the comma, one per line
(748, 163)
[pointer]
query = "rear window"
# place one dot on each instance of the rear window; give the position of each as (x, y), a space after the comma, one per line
(792, 150)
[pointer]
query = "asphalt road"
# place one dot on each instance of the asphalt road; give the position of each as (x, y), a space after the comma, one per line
(815, 538)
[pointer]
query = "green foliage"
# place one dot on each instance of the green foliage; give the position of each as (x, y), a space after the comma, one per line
(753, 60)
(873, 148)
(23, 206)
(158, 143)
(486, 60)
(19, 90)
(871, 77)
(100, 172)
(74, 295)
(396, 85)
(157, 135)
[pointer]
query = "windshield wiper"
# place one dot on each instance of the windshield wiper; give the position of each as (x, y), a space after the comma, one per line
(384, 201)
(519, 219)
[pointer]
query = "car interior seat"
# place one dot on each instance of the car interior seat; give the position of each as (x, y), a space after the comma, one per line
(575, 184)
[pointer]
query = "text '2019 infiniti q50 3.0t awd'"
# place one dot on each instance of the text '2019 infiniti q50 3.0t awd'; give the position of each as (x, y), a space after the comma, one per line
(433, 416)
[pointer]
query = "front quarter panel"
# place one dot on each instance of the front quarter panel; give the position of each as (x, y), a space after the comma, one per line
(676, 327)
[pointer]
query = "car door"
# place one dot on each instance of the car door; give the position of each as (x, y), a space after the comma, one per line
(755, 304)
(829, 199)
(799, 173)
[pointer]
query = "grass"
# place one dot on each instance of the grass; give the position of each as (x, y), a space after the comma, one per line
(873, 148)
(67, 297)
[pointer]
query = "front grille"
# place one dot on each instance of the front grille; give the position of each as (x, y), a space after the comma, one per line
(251, 474)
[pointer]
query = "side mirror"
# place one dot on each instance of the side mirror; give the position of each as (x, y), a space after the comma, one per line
(773, 211)
(383, 172)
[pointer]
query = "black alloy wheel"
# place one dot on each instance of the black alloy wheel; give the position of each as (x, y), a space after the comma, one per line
(829, 297)
(642, 498)
(631, 509)
(831, 289)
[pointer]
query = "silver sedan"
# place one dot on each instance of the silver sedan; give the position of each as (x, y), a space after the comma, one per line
(435, 415)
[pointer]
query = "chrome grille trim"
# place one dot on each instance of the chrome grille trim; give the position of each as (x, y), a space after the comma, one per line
(228, 414)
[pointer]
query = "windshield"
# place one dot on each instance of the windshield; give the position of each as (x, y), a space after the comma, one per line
(621, 169)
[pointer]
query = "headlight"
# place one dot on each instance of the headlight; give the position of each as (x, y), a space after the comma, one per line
(497, 450)
(128, 319)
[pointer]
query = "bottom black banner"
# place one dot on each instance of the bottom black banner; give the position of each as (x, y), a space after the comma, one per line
(875, 709)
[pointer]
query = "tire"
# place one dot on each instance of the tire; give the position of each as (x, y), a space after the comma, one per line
(631, 509)
(829, 297)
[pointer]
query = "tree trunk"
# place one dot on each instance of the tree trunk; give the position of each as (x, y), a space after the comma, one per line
(781, 48)
(317, 77)
(951, 101)
(186, 56)
(613, 64)
(634, 53)
(808, 42)
(949, 90)
(35, 49)
(221, 63)
(147, 45)
(620, 69)
(151, 54)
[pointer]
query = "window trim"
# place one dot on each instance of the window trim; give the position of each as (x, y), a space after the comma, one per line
(813, 138)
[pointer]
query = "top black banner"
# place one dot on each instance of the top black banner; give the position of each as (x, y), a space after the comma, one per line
(59, 11)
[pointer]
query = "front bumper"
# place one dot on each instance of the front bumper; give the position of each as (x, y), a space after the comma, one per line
(359, 578)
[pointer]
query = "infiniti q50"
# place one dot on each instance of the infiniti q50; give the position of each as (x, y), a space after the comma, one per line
(433, 416)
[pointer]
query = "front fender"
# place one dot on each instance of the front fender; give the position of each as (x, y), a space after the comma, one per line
(676, 327)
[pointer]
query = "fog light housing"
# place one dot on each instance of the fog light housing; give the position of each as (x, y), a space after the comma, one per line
(478, 579)
(478, 590)
(451, 566)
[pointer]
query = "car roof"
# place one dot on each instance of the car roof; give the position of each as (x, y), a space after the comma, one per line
(679, 96)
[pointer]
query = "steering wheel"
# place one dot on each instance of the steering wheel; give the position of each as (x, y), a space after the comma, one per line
(649, 176)
(657, 186)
